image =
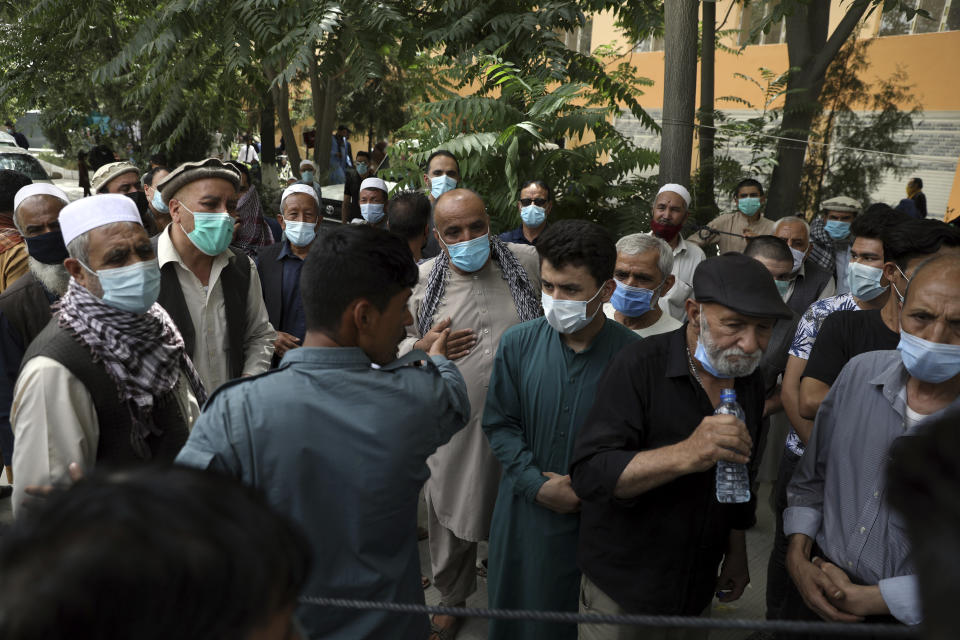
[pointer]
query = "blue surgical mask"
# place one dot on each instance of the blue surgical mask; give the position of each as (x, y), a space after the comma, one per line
(306, 177)
(836, 229)
(632, 302)
(568, 316)
(157, 202)
(300, 234)
(798, 257)
(132, 288)
(929, 361)
(212, 232)
(439, 185)
(782, 287)
(864, 281)
(532, 215)
(361, 168)
(704, 358)
(748, 206)
(372, 213)
(470, 255)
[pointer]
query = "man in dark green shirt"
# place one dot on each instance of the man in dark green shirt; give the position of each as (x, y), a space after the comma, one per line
(543, 384)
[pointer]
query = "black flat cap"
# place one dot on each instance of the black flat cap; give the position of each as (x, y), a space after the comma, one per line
(739, 283)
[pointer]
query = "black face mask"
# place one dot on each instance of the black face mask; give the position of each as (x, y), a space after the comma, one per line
(140, 199)
(47, 248)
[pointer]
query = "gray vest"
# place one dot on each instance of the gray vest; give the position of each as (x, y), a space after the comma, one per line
(807, 290)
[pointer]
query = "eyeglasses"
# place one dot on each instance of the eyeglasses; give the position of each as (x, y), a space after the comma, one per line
(537, 201)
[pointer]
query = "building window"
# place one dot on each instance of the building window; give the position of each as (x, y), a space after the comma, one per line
(944, 16)
(650, 43)
(752, 15)
(579, 39)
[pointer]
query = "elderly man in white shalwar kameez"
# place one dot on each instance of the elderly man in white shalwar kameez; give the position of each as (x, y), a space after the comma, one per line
(480, 287)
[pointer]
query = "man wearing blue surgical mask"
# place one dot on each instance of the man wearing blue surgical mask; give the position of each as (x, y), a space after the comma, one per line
(212, 294)
(739, 225)
(442, 175)
(544, 379)
(373, 201)
(808, 280)
(108, 381)
(846, 334)
(643, 276)
(279, 266)
(479, 287)
(535, 205)
(159, 211)
(862, 567)
(830, 237)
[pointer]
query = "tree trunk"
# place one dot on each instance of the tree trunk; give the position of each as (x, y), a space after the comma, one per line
(268, 151)
(679, 90)
(810, 52)
(318, 97)
(706, 202)
(281, 98)
(325, 126)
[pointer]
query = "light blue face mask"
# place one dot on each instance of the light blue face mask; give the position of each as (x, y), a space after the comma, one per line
(931, 362)
(748, 206)
(798, 258)
(704, 358)
(470, 255)
(532, 215)
(306, 177)
(361, 168)
(439, 185)
(132, 288)
(372, 212)
(632, 302)
(212, 232)
(157, 202)
(864, 281)
(300, 234)
(837, 229)
(782, 286)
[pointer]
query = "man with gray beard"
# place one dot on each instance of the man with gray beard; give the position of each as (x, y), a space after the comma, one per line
(25, 305)
(653, 536)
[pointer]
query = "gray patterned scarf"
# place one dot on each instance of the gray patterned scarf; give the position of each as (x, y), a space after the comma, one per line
(525, 298)
(143, 354)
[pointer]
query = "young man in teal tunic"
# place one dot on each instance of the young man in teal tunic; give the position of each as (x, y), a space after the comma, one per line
(543, 384)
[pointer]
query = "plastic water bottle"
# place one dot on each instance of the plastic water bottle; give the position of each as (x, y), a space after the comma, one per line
(733, 479)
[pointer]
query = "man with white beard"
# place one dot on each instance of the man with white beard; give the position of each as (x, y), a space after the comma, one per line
(25, 305)
(653, 536)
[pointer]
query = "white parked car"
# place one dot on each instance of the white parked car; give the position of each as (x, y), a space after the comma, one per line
(7, 140)
(19, 160)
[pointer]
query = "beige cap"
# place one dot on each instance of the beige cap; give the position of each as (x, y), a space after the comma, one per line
(840, 203)
(108, 172)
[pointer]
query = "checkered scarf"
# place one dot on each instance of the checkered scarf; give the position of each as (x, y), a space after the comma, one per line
(254, 232)
(823, 248)
(143, 354)
(524, 297)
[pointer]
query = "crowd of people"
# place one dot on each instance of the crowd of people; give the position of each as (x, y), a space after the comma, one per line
(206, 413)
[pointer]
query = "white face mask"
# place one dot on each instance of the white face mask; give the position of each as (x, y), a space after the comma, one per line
(567, 316)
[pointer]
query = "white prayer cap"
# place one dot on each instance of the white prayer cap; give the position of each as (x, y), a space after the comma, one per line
(96, 211)
(374, 183)
(38, 189)
(306, 163)
(678, 189)
(299, 188)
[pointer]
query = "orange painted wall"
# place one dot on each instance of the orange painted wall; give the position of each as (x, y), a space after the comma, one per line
(930, 61)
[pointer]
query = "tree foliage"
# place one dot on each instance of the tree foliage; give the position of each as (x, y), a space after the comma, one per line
(507, 133)
(858, 130)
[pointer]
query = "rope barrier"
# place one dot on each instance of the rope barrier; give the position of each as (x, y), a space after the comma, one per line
(690, 622)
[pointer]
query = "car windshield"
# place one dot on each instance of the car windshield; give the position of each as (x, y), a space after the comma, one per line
(24, 164)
